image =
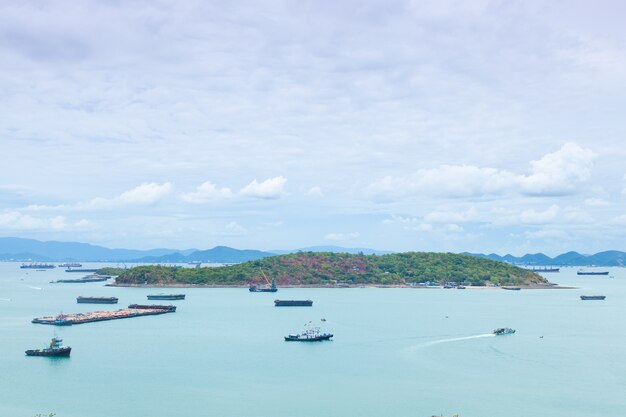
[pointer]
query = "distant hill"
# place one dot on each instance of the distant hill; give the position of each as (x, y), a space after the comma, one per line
(30, 249)
(334, 249)
(321, 269)
(607, 258)
(219, 254)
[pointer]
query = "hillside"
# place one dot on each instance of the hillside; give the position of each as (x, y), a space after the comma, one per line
(606, 258)
(309, 268)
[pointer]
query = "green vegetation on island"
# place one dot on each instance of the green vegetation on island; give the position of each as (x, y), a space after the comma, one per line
(325, 268)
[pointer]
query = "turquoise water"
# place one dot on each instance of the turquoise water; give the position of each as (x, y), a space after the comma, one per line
(397, 352)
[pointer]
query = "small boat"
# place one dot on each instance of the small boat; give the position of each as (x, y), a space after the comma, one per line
(460, 287)
(592, 297)
(511, 288)
(503, 330)
(166, 297)
(309, 335)
(56, 349)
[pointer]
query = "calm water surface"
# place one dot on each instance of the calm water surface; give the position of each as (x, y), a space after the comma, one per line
(397, 352)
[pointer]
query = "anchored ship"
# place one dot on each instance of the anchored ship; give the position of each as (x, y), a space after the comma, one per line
(592, 297)
(133, 310)
(56, 349)
(309, 335)
(88, 278)
(293, 303)
(37, 266)
(96, 300)
(581, 272)
(545, 269)
(70, 265)
(167, 297)
(511, 288)
(271, 286)
(503, 331)
(81, 270)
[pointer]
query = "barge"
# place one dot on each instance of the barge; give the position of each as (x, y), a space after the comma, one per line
(96, 300)
(166, 297)
(133, 310)
(88, 278)
(592, 273)
(293, 303)
(81, 270)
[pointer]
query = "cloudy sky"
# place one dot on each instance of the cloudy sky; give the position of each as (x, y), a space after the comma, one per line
(491, 126)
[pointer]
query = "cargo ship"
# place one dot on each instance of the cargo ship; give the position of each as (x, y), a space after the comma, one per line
(271, 286)
(88, 278)
(545, 269)
(56, 349)
(581, 272)
(70, 265)
(503, 331)
(592, 297)
(37, 266)
(81, 270)
(133, 310)
(293, 303)
(166, 297)
(96, 300)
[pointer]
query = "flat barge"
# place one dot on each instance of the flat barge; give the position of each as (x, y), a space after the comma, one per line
(133, 310)
(293, 303)
(81, 270)
(166, 297)
(88, 278)
(592, 273)
(96, 300)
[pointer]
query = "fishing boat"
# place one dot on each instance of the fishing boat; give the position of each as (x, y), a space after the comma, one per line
(503, 330)
(56, 349)
(313, 334)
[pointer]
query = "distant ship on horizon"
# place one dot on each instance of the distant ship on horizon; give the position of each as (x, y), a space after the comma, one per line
(37, 266)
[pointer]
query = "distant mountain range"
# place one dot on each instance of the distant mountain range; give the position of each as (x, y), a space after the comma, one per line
(607, 258)
(30, 250)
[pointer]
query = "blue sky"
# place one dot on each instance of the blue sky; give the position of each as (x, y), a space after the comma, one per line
(491, 126)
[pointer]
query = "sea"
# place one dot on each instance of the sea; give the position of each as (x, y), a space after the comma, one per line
(402, 352)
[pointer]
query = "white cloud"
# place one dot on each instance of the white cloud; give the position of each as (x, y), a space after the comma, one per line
(452, 216)
(342, 236)
(14, 220)
(144, 194)
(206, 192)
(596, 202)
(315, 191)
(271, 188)
(556, 173)
(532, 216)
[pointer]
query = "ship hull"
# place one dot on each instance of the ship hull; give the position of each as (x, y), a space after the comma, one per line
(55, 353)
(308, 339)
(592, 297)
(96, 300)
(293, 303)
(167, 297)
(593, 273)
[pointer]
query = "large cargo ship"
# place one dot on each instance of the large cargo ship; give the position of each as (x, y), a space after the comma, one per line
(88, 278)
(293, 303)
(70, 265)
(592, 273)
(166, 297)
(37, 266)
(56, 349)
(133, 310)
(545, 269)
(96, 300)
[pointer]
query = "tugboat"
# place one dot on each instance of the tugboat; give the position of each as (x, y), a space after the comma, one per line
(312, 334)
(503, 331)
(56, 349)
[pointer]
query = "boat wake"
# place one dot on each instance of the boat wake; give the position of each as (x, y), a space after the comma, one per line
(5, 299)
(34, 288)
(450, 340)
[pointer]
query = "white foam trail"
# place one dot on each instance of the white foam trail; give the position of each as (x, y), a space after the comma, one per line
(5, 299)
(454, 339)
(34, 288)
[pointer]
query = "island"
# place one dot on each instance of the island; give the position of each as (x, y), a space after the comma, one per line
(327, 269)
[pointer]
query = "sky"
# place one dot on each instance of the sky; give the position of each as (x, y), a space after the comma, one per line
(480, 126)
